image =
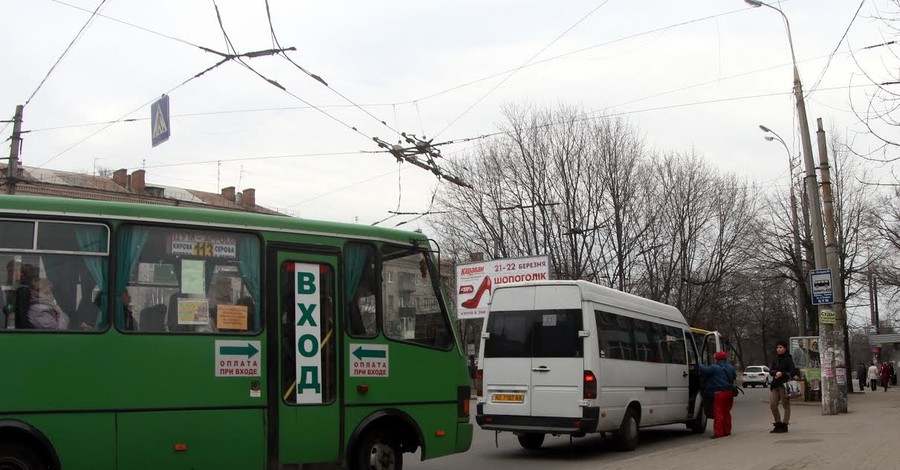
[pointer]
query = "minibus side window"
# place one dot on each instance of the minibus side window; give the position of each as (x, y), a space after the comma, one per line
(615, 333)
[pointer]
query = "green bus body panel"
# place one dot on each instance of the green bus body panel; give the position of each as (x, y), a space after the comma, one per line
(112, 371)
(412, 368)
(82, 440)
(464, 433)
(215, 439)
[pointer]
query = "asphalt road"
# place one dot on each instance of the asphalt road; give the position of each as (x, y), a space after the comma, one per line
(502, 451)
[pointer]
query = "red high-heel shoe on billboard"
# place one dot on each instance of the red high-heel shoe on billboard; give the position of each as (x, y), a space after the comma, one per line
(474, 301)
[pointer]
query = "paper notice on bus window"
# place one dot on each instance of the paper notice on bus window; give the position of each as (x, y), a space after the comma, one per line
(549, 319)
(193, 276)
(231, 317)
(193, 312)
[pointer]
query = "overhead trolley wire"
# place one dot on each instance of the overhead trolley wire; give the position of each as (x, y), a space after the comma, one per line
(69, 47)
(479, 100)
(319, 78)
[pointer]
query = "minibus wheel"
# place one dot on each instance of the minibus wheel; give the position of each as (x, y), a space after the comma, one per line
(626, 437)
(531, 441)
(698, 424)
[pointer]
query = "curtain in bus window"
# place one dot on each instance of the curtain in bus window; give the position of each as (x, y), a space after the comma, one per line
(90, 239)
(248, 249)
(132, 244)
(357, 259)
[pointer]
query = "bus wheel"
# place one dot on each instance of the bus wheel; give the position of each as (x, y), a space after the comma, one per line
(698, 424)
(15, 456)
(378, 450)
(626, 438)
(531, 441)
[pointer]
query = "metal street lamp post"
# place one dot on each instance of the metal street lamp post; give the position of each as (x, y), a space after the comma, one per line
(830, 390)
(795, 229)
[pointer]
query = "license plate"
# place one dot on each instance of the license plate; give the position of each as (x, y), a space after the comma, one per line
(508, 398)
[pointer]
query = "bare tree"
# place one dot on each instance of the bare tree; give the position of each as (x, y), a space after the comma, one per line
(879, 111)
(535, 190)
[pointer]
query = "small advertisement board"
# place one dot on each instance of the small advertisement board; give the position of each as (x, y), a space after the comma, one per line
(476, 281)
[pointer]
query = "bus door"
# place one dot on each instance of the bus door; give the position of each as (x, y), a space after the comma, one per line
(693, 374)
(308, 408)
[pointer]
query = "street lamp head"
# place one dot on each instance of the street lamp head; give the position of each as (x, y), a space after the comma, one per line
(764, 128)
(754, 3)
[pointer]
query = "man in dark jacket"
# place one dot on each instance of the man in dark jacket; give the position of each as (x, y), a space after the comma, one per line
(781, 371)
(719, 380)
(861, 376)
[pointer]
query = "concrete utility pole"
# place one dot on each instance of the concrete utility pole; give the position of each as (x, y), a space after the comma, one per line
(826, 330)
(12, 170)
(841, 364)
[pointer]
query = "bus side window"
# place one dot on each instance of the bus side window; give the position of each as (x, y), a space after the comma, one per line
(677, 353)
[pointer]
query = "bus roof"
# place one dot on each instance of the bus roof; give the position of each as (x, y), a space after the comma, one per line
(137, 212)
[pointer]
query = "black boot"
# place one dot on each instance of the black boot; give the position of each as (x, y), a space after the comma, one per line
(780, 427)
(777, 426)
(784, 427)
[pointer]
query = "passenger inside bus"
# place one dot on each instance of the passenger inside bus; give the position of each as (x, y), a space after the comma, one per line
(23, 277)
(43, 311)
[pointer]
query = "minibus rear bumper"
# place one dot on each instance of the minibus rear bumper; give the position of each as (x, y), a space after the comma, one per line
(587, 423)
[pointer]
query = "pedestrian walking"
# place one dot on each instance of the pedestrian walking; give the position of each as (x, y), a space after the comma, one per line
(861, 376)
(885, 375)
(719, 381)
(781, 371)
(873, 374)
(473, 372)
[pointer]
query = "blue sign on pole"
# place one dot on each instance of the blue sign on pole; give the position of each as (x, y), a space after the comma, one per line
(159, 121)
(820, 286)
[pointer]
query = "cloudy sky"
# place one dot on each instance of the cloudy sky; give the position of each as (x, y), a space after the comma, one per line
(690, 75)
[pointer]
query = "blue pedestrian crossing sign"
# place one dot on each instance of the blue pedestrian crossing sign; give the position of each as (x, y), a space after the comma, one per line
(820, 286)
(159, 121)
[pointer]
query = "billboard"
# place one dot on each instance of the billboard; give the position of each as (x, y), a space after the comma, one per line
(476, 281)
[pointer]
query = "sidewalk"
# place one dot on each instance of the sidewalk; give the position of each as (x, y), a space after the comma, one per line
(866, 437)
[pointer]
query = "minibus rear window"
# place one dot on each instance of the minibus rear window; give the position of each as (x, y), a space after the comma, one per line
(534, 333)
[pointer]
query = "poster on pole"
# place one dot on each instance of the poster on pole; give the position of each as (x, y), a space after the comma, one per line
(476, 281)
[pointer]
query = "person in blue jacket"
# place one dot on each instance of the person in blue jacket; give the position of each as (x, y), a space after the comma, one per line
(719, 381)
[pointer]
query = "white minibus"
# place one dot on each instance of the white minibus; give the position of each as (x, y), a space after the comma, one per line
(572, 357)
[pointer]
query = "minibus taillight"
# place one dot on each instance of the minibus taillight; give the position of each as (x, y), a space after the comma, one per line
(590, 385)
(479, 380)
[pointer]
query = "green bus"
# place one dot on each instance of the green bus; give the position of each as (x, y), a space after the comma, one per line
(140, 336)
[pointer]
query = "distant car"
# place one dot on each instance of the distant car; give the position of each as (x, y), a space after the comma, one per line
(756, 375)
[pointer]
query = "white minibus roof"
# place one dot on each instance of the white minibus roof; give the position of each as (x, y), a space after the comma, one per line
(593, 293)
